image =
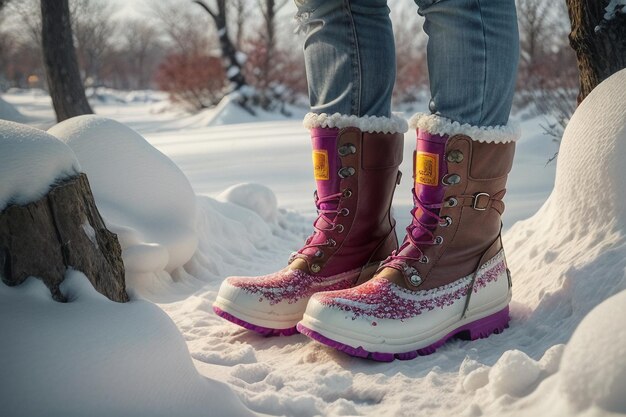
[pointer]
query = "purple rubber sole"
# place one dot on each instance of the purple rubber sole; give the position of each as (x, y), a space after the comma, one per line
(265, 331)
(479, 329)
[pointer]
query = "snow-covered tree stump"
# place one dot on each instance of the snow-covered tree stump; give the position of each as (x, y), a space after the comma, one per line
(48, 217)
(59, 231)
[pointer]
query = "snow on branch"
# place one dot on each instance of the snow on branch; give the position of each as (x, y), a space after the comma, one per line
(614, 8)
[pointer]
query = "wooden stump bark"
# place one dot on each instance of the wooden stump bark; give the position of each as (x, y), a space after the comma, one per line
(61, 230)
(600, 45)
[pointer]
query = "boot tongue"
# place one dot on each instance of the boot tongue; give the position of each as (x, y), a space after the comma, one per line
(429, 168)
(325, 164)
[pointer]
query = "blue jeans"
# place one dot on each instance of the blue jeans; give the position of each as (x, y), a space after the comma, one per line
(472, 52)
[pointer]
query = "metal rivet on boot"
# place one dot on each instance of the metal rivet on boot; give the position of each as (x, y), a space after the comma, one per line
(446, 221)
(319, 254)
(346, 149)
(451, 179)
(415, 280)
(331, 242)
(452, 202)
(347, 193)
(339, 228)
(344, 211)
(455, 156)
(346, 172)
(438, 240)
(424, 259)
(315, 268)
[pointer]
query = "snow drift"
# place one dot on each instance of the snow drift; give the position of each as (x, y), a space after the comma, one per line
(571, 256)
(94, 357)
(10, 113)
(142, 195)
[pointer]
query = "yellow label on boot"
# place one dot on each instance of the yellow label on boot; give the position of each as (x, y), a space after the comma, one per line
(427, 168)
(320, 165)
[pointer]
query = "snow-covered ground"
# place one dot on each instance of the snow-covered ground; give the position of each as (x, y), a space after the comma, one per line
(565, 260)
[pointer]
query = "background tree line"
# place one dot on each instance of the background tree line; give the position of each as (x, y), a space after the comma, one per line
(200, 50)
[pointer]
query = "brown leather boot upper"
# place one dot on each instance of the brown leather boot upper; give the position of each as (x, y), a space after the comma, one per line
(363, 231)
(469, 233)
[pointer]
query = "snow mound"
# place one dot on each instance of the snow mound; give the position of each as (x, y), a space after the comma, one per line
(228, 112)
(571, 257)
(513, 374)
(577, 237)
(142, 195)
(94, 357)
(256, 197)
(593, 370)
(30, 162)
(10, 113)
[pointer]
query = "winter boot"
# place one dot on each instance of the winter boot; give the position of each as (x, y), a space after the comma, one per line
(356, 172)
(449, 277)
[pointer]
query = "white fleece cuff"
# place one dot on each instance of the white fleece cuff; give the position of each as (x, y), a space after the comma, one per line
(439, 125)
(370, 124)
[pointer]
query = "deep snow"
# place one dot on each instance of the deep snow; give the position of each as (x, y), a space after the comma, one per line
(566, 260)
(142, 195)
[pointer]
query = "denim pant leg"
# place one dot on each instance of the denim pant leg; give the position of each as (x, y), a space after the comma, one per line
(349, 54)
(473, 53)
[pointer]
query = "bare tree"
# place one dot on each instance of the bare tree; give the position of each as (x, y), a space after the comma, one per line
(140, 42)
(598, 37)
(269, 10)
(242, 13)
(184, 29)
(534, 27)
(66, 89)
(93, 31)
(28, 12)
(229, 53)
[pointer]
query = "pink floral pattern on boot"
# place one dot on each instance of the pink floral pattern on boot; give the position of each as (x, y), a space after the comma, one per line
(292, 285)
(382, 299)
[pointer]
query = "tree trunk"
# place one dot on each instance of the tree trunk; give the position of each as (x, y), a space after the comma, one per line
(229, 52)
(269, 15)
(59, 231)
(600, 44)
(64, 81)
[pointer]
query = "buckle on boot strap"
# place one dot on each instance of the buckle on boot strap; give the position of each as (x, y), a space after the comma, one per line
(476, 204)
(482, 201)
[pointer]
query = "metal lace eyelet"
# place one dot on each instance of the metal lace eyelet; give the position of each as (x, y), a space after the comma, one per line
(346, 149)
(415, 280)
(331, 243)
(447, 221)
(452, 202)
(319, 254)
(339, 228)
(315, 268)
(347, 193)
(451, 179)
(344, 212)
(455, 156)
(424, 259)
(438, 240)
(292, 257)
(346, 172)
